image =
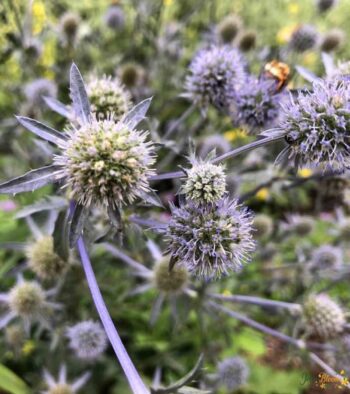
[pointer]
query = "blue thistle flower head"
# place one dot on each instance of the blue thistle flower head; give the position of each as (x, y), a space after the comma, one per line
(114, 17)
(256, 104)
(316, 125)
(305, 37)
(215, 73)
(233, 373)
(210, 240)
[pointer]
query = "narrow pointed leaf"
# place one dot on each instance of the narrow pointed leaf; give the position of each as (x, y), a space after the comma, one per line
(77, 224)
(306, 74)
(60, 235)
(57, 106)
(12, 383)
(45, 204)
(32, 180)
(43, 131)
(114, 216)
(138, 113)
(328, 63)
(81, 104)
(152, 198)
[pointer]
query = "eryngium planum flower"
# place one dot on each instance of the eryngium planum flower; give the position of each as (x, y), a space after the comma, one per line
(323, 317)
(114, 17)
(304, 37)
(332, 40)
(325, 5)
(104, 161)
(233, 373)
(256, 104)
(169, 282)
(215, 73)
(210, 240)
(316, 125)
(37, 89)
(61, 386)
(229, 27)
(108, 97)
(87, 339)
(327, 257)
(69, 26)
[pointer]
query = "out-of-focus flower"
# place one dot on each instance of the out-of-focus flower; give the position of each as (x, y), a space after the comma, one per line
(247, 40)
(210, 240)
(34, 91)
(229, 27)
(215, 142)
(69, 26)
(316, 124)
(87, 339)
(293, 8)
(304, 172)
(326, 257)
(332, 40)
(7, 206)
(215, 74)
(323, 317)
(108, 97)
(38, 16)
(235, 134)
(301, 225)
(232, 373)
(61, 386)
(283, 35)
(131, 74)
(170, 282)
(114, 17)
(304, 37)
(325, 5)
(262, 225)
(263, 194)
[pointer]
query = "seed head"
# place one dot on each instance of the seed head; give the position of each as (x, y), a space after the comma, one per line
(69, 26)
(332, 40)
(262, 225)
(233, 373)
(210, 240)
(44, 261)
(108, 97)
(87, 339)
(228, 28)
(27, 299)
(323, 317)
(170, 282)
(131, 74)
(107, 161)
(325, 5)
(247, 40)
(304, 37)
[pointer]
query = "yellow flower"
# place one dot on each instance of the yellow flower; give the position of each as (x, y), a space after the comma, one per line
(293, 8)
(235, 134)
(263, 194)
(167, 3)
(226, 292)
(304, 172)
(39, 16)
(28, 347)
(310, 59)
(285, 33)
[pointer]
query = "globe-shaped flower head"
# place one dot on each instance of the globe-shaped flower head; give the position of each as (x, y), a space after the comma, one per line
(304, 37)
(169, 282)
(229, 27)
(316, 125)
(233, 373)
(215, 73)
(256, 104)
(108, 97)
(210, 240)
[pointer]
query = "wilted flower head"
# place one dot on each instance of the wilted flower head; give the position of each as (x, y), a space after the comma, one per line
(37, 89)
(44, 261)
(233, 373)
(316, 125)
(69, 26)
(61, 386)
(247, 40)
(87, 339)
(323, 317)
(114, 17)
(332, 40)
(28, 301)
(304, 37)
(229, 27)
(210, 240)
(215, 73)
(170, 282)
(327, 257)
(106, 161)
(205, 182)
(256, 104)
(325, 5)
(108, 97)
(262, 225)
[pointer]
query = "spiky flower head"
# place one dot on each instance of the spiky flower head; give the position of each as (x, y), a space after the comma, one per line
(106, 161)
(332, 40)
(304, 37)
(210, 240)
(205, 182)
(44, 261)
(108, 97)
(316, 125)
(256, 104)
(27, 299)
(262, 225)
(131, 74)
(229, 27)
(325, 5)
(247, 40)
(37, 89)
(233, 373)
(61, 386)
(69, 26)
(327, 257)
(87, 339)
(323, 317)
(170, 282)
(215, 73)
(300, 224)
(114, 17)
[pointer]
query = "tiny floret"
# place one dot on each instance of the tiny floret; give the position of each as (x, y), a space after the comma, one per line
(210, 240)
(170, 282)
(233, 373)
(87, 339)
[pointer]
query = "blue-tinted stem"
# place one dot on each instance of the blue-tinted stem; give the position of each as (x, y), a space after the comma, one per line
(136, 384)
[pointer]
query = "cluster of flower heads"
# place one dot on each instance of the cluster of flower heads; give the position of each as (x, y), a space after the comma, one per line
(316, 125)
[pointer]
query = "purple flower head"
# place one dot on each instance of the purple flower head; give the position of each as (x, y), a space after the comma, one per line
(114, 17)
(233, 373)
(256, 104)
(215, 73)
(305, 37)
(317, 126)
(210, 240)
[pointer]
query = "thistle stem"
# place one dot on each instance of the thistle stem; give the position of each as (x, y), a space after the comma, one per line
(136, 384)
(225, 156)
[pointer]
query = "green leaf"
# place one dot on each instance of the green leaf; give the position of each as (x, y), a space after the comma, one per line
(251, 342)
(11, 383)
